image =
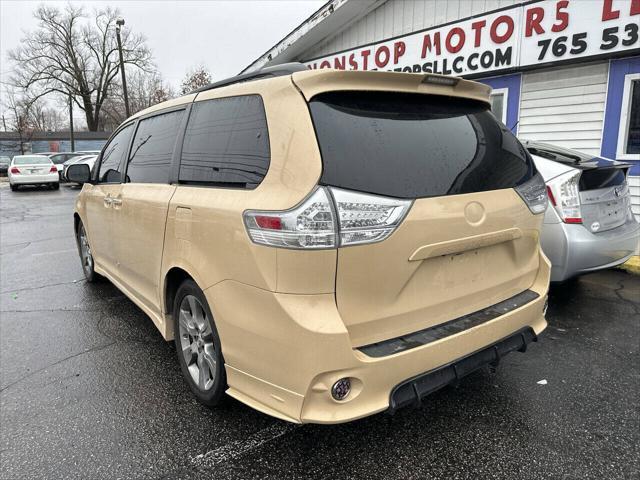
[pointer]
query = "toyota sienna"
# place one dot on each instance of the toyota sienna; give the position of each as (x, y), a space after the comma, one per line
(322, 245)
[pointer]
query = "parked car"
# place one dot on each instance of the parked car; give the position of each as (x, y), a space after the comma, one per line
(322, 245)
(89, 160)
(589, 225)
(71, 161)
(4, 164)
(32, 170)
(60, 158)
(88, 152)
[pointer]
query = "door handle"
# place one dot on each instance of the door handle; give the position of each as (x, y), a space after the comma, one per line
(116, 201)
(107, 201)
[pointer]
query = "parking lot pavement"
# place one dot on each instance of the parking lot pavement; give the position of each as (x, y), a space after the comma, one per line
(88, 388)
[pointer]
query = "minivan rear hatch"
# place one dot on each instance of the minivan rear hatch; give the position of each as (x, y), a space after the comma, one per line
(468, 242)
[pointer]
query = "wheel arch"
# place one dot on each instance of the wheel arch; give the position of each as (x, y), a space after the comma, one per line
(172, 281)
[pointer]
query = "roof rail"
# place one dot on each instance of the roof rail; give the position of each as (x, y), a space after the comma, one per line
(274, 71)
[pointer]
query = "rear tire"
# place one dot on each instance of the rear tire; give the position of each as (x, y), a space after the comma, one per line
(86, 257)
(14, 188)
(198, 345)
(56, 186)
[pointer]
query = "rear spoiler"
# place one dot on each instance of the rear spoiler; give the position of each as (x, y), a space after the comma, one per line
(313, 82)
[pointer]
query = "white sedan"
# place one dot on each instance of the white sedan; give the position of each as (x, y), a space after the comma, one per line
(33, 170)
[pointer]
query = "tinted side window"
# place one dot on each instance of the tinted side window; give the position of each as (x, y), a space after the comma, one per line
(150, 158)
(226, 143)
(111, 164)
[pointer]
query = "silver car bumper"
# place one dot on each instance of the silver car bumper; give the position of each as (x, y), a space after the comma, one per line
(573, 250)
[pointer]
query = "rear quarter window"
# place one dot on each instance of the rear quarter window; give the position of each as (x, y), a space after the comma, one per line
(226, 143)
(414, 145)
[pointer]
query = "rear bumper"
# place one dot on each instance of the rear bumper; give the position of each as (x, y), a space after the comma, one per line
(283, 352)
(572, 249)
(411, 392)
(34, 179)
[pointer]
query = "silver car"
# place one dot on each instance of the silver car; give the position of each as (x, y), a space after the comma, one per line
(589, 224)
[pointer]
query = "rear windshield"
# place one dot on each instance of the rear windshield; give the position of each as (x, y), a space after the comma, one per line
(602, 178)
(413, 145)
(31, 161)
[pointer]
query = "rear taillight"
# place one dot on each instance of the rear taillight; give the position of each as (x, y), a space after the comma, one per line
(565, 196)
(15, 170)
(53, 169)
(329, 218)
(534, 193)
(309, 225)
(367, 218)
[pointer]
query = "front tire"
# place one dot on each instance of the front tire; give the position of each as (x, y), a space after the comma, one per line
(198, 345)
(86, 257)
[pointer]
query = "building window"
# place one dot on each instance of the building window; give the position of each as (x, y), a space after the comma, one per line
(629, 132)
(499, 102)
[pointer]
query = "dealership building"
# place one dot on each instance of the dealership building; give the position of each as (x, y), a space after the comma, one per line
(565, 72)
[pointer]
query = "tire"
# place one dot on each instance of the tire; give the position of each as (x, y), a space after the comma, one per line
(86, 257)
(14, 188)
(198, 345)
(56, 186)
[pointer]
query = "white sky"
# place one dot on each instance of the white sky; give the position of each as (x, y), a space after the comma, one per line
(224, 36)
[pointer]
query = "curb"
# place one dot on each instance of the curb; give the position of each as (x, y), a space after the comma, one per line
(632, 265)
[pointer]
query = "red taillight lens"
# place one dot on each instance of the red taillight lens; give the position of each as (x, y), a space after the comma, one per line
(551, 197)
(271, 223)
(15, 170)
(53, 169)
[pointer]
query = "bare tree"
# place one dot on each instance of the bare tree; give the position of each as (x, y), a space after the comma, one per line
(72, 57)
(43, 118)
(145, 89)
(19, 119)
(194, 79)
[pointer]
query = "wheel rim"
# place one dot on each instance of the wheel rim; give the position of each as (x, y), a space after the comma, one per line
(85, 252)
(196, 341)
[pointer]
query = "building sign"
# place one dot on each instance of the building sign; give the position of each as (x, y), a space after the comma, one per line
(524, 35)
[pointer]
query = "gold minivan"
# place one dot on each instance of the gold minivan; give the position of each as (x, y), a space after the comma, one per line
(322, 245)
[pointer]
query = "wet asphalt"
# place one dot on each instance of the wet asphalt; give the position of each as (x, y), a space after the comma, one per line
(89, 389)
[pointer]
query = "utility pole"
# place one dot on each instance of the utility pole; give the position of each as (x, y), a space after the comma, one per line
(119, 24)
(4, 123)
(73, 140)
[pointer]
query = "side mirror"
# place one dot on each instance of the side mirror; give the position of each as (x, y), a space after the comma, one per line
(79, 173)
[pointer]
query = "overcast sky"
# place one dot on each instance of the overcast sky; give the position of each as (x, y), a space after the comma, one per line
(224, 36)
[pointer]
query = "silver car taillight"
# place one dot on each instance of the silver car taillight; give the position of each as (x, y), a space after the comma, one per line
(329, 218)
(534, 194)
(565, 196)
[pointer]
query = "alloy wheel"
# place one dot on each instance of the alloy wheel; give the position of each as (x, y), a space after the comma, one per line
(85, 252)
(196, 341)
